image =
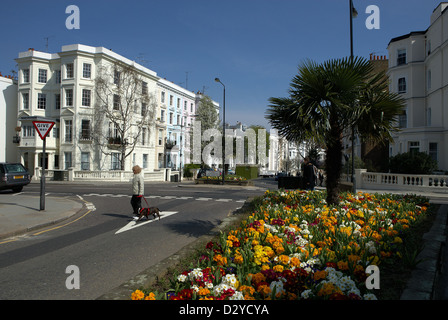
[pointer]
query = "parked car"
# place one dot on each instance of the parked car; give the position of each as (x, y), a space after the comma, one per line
(13, 176)
(280, 174)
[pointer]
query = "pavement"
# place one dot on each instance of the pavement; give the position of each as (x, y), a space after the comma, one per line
(20, 214)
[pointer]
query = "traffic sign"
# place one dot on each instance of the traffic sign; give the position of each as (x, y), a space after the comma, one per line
(43, 128)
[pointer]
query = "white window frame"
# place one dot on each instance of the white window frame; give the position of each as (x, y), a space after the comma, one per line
(42, 76)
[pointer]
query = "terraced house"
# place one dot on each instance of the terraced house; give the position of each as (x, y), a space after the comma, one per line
(111, 113)
(418, 69)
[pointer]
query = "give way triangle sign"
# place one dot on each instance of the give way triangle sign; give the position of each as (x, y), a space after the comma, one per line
(43, 128)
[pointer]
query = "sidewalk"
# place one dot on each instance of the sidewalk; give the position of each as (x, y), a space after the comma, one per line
(20, 213)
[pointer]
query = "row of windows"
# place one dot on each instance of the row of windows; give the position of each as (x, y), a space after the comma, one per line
(42, 99)
(402, 87)
(42, 76)
(403, 119)
(162, 100)
(85, 161)
(85, 133)
(414, 146)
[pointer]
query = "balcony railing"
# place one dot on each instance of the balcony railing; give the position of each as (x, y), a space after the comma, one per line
(85, 136)
(170, 144)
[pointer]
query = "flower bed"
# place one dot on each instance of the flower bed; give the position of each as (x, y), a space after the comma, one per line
(296, 247)
(229, 179)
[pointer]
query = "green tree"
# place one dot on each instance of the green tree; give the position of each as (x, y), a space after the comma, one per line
(207, 115)
(327, 99)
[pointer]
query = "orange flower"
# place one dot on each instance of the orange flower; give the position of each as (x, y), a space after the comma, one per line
(342, 265)
(203, 291)
(220, 260)
(238, 259)
(264, 290)
(150, 296)
(320, 275)
(258, 277)
(278, 268)
(137, 295)
(295, 262)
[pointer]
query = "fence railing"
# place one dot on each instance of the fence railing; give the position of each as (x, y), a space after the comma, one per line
(396, 181)
(111, 175)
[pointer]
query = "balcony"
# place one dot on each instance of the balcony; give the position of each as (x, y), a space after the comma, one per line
(85, 136)
(170, 144)
(115, 142)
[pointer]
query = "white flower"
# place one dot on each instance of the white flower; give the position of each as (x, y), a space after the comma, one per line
(369, 296)
(217, 290)
(370, 246)
(195, 274)
(355, 291)
(195, 288)
(230, 280)
(346, 283)
(277, 287)
(182, 278)
(306, 294)
(238, 295)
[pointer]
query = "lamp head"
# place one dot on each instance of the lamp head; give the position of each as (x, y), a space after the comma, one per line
(217, 80)
(354, 11)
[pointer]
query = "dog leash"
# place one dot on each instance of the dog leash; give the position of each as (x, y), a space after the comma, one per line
(146, 203)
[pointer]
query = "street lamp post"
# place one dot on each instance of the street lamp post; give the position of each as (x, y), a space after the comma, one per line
(353, 14)
(223, 128)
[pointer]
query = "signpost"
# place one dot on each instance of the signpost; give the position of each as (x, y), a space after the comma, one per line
(43, 128)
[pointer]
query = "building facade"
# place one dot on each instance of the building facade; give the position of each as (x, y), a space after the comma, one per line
(176, 109)
(89, 133)
(418, 69)
(9, 133)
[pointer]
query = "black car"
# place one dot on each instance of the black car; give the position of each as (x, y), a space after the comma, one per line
(13, 176)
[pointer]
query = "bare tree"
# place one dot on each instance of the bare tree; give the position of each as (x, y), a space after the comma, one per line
(124, 110)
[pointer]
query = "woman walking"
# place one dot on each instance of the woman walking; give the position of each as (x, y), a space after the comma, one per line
(138, 189)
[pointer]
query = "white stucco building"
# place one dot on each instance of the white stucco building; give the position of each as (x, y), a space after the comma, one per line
(418, 70)
(62, 87)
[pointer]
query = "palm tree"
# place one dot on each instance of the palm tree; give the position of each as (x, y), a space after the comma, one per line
(327, 99)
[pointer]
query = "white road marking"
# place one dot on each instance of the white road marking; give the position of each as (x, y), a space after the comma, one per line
(134, 224)
(164, 197)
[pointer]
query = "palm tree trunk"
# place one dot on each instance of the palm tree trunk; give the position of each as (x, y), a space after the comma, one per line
(333, 162)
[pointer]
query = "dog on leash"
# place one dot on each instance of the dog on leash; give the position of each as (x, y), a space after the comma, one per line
(146, 212)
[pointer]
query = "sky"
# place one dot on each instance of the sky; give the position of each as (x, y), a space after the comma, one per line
(253, 46)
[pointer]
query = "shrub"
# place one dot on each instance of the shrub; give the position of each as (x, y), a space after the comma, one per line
(412, 162)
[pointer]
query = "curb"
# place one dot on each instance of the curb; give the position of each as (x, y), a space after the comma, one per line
(153, 273)
(422, 284)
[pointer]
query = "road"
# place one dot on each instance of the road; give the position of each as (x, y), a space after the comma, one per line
(35, 267)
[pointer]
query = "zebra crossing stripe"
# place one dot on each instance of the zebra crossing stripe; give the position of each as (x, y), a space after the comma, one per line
(163, 197)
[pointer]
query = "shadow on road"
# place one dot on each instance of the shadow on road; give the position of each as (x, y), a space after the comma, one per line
(192, 228)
